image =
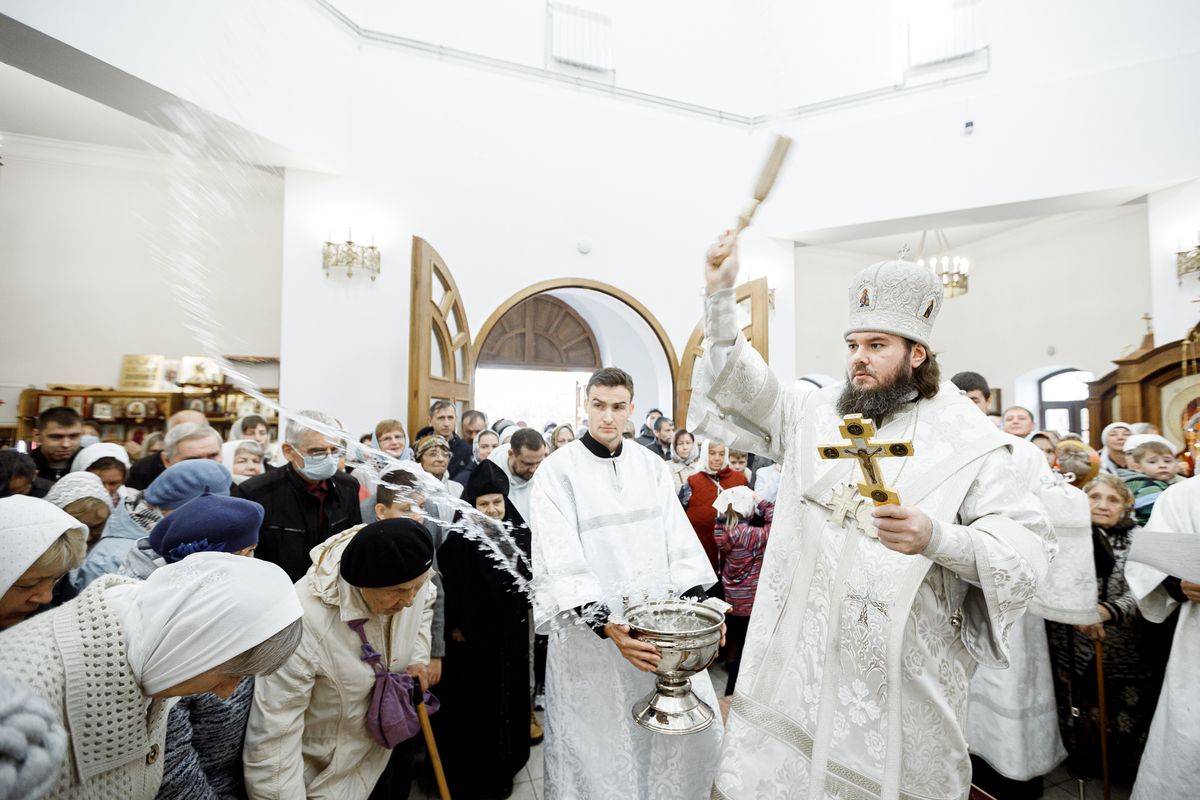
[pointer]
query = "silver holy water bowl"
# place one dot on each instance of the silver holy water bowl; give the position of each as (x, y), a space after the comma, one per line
(688, 635)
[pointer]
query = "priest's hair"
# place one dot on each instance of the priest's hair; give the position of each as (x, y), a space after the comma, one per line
(266, 656)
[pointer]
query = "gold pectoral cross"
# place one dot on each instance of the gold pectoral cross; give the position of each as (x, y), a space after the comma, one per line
(859, 431)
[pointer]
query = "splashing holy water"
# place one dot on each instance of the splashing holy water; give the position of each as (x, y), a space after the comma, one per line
(207, 170)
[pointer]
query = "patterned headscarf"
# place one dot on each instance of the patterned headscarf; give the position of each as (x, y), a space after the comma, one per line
(76, 486)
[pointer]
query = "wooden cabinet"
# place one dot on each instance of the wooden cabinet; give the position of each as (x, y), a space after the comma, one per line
(122, 415)
(1148, 385)
(126, 415)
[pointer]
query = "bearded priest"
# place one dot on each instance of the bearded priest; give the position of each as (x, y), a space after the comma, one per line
(869, 620)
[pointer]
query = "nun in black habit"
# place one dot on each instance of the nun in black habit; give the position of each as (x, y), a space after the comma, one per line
(483, 725)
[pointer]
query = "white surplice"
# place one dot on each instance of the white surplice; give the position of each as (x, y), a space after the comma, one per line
(1171, 762)
(610, 530)
(1012, 718)
(855, 673)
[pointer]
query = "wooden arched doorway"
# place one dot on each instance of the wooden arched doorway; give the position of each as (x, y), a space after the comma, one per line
(753, 299)
(485, 331)
(540, 332)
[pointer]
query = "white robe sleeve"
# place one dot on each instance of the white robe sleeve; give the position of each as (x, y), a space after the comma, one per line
(1145, 582)
(736, 399)
(562, 578)
(1000, 548)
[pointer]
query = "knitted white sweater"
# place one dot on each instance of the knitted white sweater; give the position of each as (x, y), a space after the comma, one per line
(74, 657)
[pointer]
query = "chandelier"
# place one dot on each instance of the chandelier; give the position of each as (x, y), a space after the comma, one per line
(953, 270)
(347, 257)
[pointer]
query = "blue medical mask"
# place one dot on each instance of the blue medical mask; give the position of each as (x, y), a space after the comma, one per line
(319, 467)
(87, 440)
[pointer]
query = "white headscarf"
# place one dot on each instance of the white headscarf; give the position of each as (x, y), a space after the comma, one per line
(196, 614)
(93, 453)
(28, 526)
(703, 462)
(76, 486)
(1106, 462)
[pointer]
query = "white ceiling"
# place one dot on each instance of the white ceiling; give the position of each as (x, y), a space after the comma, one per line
(32, 106)
(884, 238)
(959, 237)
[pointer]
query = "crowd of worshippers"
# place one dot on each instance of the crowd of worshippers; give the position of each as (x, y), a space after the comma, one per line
(269, 585)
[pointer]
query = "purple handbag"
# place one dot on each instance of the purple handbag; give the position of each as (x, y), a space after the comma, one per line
(392, 717)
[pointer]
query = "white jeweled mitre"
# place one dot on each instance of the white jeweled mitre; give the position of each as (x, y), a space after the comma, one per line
(895, 297)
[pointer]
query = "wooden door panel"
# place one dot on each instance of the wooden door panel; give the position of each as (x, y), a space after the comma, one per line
(753, 299)
(439, 361)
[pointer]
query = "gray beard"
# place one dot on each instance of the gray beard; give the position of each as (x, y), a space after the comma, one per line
(876, 404)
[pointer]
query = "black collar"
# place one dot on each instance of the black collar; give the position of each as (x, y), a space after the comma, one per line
(599, 450)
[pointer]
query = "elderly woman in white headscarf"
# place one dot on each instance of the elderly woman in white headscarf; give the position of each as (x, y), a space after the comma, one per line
(83, 496)
(1112, 451)
(108, 461)
(108, 661)
(39, 544)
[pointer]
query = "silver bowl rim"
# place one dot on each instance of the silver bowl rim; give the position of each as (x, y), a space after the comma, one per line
(707, 610)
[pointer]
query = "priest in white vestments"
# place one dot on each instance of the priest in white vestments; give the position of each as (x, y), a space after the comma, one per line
(1012, 718)
(868, 621)
(607, 532)
(1171, 761)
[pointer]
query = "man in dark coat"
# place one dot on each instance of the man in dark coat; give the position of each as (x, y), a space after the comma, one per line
(664, 435)
(57, 433)
(306, 501)
(442, 418)
(147, 468)
(483, 726)
(646, 434)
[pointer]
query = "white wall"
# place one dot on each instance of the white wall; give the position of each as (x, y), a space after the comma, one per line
(504, 179)
(1174, 225)
(1073, 282)
(88, 245)
(628, 342)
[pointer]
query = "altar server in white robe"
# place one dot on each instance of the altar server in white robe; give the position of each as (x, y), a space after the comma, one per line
(1012, 719)
(1171, 762)
(868, 622)
(608, 531)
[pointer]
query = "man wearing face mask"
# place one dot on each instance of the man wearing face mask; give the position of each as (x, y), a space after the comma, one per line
(309, 499)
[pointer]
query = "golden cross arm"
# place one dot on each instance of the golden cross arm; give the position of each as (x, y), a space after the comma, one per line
(867, 452)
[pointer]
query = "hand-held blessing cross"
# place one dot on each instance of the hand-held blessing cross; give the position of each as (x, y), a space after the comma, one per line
(859, 431)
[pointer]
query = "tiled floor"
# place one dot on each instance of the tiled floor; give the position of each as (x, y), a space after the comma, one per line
(528, 784)
(1061, 786)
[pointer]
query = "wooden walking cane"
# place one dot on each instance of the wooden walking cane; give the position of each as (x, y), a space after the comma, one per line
(418, 698)
(1103, 717)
